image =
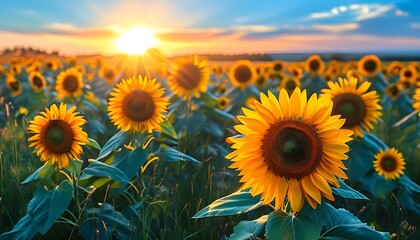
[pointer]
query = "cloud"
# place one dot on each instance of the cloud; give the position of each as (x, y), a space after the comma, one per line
(358, 12)
(71, 30)
(401, 13)
(415, 25)
(337, 27)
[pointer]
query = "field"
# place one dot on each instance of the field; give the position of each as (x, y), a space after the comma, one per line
(208, 147)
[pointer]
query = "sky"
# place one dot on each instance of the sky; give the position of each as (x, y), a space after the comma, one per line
(217, 26)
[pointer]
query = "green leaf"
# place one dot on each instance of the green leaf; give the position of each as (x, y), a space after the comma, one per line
(408, 183)
(248, 229)
(23, 230)
(114, 142)
(347, 192)
(282, 226)
(47, 206)
(131, 165)
(100, 169)
(170, 154)
(355, 232)
(93, 144)
(43, 172)
(168, 129)
(236, 203)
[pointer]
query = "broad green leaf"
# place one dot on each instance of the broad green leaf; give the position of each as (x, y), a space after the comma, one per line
(168, 129)
(347, 192)
(236, 203)
(248, 229)
(358, 164)
(47, 206)
(355, 232)
(169, 154)
(93, 144)
(100, 169)
(114, 142)
(105, 223)
(23, 230)
(132, 163)
(224, 114)
(408, 183)
(44, 171)
(282, 226)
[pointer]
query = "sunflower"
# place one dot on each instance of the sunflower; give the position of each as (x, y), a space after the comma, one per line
(216, 69)
(108, 73)
(57, 135)
(223, 102)
(51, 65)
(393, 91)
(295, 70)
(15, 69)
(389, 163)
(358, 106)
(137, 105)
(369, 65)
(290, 147)
(13, 84)
(290, 83)
(408, 74)
(394, 68)
(69, 83)
(261, 80)
(314, 64)
(242, 73)
(37, 81)
(355, 74)
(416, 97)
(350, 65)
(277, 67)
(189, 76)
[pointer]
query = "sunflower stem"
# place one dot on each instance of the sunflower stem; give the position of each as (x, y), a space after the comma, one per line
(397, 124)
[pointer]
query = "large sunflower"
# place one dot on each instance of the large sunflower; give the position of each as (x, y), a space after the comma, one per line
(389, 163)
(69, 83)
(358, 106)
(291, 148)
(57, 134)
(242, 73)
(189, 76)
(369, 65)
(37, 81)
(137, 105)
(314, 64)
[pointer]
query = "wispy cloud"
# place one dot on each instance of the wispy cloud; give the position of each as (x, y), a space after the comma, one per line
(71, 30)
(401, 13)
(337, 27)
(358, 12)
(415, 25)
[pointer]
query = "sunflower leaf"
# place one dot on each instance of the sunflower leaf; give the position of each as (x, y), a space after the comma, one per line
(168, 129)
(282, 226)
(114, 142)
(236, 203)
(347, 192)
(249, 229)
(100, 169)
(93, 144)
(169, 154)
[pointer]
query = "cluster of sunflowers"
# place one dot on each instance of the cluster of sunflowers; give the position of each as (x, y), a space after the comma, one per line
(99, 142)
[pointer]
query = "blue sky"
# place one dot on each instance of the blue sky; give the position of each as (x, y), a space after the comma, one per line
(87, 26)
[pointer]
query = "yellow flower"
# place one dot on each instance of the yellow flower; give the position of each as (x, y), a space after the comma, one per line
(416, 97)
(408, 74)
(14, 84)
(389, 163)
(358, 106)
(291, 148)
(137, 105)
(108, 73)
(37, 81)
(393, 91)
(69, 83)
(223, 102)
(242, 73)
(189, 76)
(295, 70)
(23, 111)
(394, 68)
(369, 65)
(355, 74)
(314, 65)
(57, 135)
(290, 84)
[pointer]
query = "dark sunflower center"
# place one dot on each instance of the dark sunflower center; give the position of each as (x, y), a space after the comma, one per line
(261, 80)
(49, 65)
(58, 136)
(71, 83)
(388, 164)
(370, 65)
(278, 67)
(109, 74)
(405, 84)
(243, 74)
(188, 76)
(222, 103)
(138, 105)
(295, 73)
(351, 107)
(37, 81)
(314, 65)
(290, 85)
(15, 86)
(408, 74)
(292, 148)
(393, 91)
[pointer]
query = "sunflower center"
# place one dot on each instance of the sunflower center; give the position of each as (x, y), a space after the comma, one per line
(243, 74)
(49, 65)
(290, 85)
(314, 65)
(188, 76)
(370, 65)
(351, 107)
(408, 74)
(15, 86)
(278, 66)
(109, 74)
(292, 148)
(388, 164)
(138, 105)
(58, 136)
(37, 81)
(393, 91)
(71, 83)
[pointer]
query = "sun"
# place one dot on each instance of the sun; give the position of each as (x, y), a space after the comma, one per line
(136, 40)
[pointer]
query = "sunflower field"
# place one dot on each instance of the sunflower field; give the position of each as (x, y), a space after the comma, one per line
(151, 147)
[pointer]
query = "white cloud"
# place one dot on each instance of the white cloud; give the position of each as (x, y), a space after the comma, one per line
(358, 12)
(401, 13)
(337, 27)
(255, 28)
(415, 25)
